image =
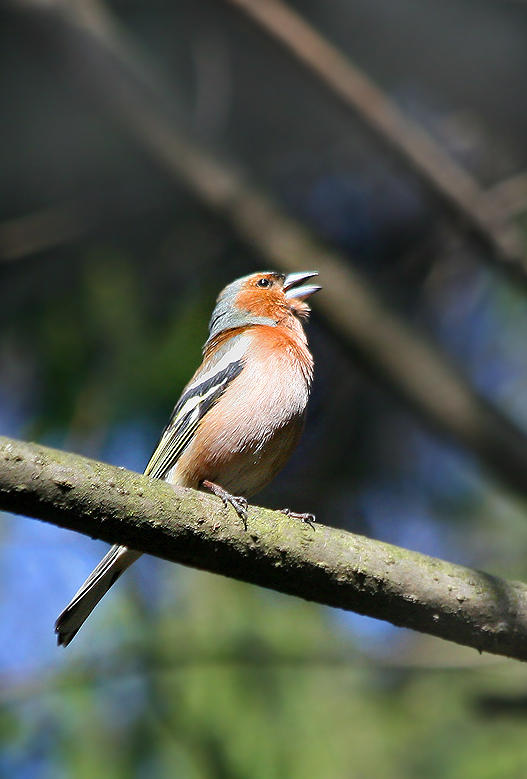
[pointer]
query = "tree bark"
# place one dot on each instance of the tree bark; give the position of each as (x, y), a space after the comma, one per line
(319, 564)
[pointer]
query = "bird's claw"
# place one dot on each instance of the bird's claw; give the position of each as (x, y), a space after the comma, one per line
(238, 503)
(308, 519)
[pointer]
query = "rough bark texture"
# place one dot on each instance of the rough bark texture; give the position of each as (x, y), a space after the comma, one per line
(321, 564)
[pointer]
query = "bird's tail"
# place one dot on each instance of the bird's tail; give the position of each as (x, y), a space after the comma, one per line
(96, 585)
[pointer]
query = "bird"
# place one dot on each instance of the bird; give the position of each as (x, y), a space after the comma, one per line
(238, 419)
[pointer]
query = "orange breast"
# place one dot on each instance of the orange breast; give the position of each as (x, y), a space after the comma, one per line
(244, 440)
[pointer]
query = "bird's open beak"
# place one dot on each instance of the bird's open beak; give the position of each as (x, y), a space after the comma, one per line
(292, 289)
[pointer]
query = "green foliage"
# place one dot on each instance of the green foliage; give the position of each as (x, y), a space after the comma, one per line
(225, 680)
(101, 357)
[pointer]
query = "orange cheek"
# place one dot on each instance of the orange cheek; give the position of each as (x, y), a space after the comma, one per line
(261, 303)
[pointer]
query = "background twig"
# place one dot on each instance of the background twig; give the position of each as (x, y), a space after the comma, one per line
(480, 211)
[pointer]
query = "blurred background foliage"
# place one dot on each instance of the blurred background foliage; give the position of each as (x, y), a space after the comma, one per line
(108, 274)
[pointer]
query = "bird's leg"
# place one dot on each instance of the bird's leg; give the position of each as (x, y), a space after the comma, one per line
(238, 503)
(309, 519)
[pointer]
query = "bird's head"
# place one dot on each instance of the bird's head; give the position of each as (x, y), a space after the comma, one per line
(265, 298)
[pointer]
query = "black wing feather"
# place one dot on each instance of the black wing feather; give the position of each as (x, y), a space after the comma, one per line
(182, 426)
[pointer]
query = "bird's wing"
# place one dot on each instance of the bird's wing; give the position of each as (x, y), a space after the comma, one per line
(204, 390)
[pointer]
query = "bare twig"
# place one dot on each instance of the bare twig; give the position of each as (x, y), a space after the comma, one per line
(41, 230)
(457, 189)
(511, 194)
(391, 350)
(321, 564)
(67, 222)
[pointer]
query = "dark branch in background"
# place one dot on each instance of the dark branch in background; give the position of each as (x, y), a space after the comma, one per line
(483, 213)
(512, 193)
(43, 229)
(48, 228)
(388, 347)
(319, 564)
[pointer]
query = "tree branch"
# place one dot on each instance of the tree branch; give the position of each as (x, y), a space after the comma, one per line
(324, 565)
(481, 212)
(66, 222)
(511, 193)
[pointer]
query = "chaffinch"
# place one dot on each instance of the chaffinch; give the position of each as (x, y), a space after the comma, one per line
(238, 419)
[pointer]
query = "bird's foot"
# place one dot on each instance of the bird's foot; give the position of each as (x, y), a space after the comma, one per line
(238, 503)
(308, 519)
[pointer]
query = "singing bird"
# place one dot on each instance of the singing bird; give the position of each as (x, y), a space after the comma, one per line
(238, 419)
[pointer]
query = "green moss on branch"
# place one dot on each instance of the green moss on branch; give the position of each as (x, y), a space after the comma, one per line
(322, 564)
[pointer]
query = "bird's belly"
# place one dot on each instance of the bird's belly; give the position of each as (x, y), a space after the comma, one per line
(249, 436)
(249, 468)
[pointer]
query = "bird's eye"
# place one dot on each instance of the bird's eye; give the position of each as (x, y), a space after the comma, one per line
(264, 283)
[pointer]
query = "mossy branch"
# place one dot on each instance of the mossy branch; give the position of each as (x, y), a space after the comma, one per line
(324, 565)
